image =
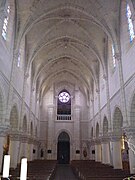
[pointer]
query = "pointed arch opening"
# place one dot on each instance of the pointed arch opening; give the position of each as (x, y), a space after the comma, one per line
(63, 148)
(97, 130)
(14, 117)
(105, 126)
(25, 124)
(117, 122)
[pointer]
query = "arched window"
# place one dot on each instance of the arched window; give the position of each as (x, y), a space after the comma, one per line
(19, 59)
(113, 56)
(64, 105)
(5, 22)
(130, 23)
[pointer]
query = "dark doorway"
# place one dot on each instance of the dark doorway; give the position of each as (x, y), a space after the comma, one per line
(63, 148)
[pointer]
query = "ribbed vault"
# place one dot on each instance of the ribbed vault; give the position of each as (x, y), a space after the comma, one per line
(66, 40)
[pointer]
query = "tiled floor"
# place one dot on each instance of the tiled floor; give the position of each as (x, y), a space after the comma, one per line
(64, 172)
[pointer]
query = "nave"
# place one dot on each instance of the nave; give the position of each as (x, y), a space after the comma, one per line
(77, 169)
(64, 171)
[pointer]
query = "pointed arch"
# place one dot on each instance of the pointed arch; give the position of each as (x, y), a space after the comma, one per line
(25, 123)
(14, 117)
(92, 132)
(105, 126)
(97, 130)
(31, 128)
(117, 121)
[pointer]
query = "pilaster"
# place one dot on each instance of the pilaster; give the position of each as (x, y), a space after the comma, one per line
(14, 149)
(130, 133)
(108, 101)
(99, 110)
(105, 143)
(98, 154)
(116, 152)
(122, 90)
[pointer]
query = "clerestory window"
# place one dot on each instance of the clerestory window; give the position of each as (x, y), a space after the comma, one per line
(5, 23)
(130, 23)
(113, 57)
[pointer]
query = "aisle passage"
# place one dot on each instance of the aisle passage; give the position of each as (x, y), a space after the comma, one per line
(64, 172)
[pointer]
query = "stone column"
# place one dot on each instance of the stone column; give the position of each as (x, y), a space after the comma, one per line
(99, 110)
(98, 151)
(122, 90)
(108, 102)
(105, 150)
(14, 149)
(76, 143)
(116, 152)
(30, 149)
(130, 133)
(35, 147)
(26, 75)
(23, 148)
(92, 149)
(2, 136)
(50, 131)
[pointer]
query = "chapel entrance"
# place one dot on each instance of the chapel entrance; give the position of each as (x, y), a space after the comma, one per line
(63, 148)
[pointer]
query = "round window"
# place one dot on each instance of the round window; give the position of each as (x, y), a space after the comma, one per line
(64, 97)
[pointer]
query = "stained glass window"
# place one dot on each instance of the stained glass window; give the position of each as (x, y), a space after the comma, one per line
(113, 57)
(64, 97)
(5, 23)
(130, 23)
(19, 59)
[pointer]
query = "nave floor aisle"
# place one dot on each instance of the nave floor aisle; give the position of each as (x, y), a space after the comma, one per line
(64, 172)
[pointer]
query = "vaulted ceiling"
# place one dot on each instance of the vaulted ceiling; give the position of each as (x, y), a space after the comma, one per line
(65, 39)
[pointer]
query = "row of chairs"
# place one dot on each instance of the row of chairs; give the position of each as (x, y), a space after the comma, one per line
(91, 170)
(37, 170)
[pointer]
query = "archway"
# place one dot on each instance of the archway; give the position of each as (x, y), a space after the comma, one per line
(105, 127)
(14, 117)
(63, 148)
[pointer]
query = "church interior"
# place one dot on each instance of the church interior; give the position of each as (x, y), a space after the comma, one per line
(67, 83)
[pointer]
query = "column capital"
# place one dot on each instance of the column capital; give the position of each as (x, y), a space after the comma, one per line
(15, 137)
(97, 141)
(115, 138)
(105, 139)
(4, 130)
(129, 131)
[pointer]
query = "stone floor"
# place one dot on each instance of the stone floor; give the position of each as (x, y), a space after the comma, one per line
(64, 172)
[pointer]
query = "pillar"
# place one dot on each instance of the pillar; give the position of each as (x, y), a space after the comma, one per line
(122, 90)
(116, 152)
(23, 148)
(92, 150)
(14, 150)
(105, 151)
(76, 144)
(1, 151)
(50, 132)
(98, 151)
(130, 133)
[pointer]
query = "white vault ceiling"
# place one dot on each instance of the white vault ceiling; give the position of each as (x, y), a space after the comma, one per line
(65, 39)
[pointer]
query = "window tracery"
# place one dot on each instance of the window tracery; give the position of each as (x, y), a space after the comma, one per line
(64, 97)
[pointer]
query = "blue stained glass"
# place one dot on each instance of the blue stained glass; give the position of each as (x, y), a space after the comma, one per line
(130, 23)
(5, 24)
